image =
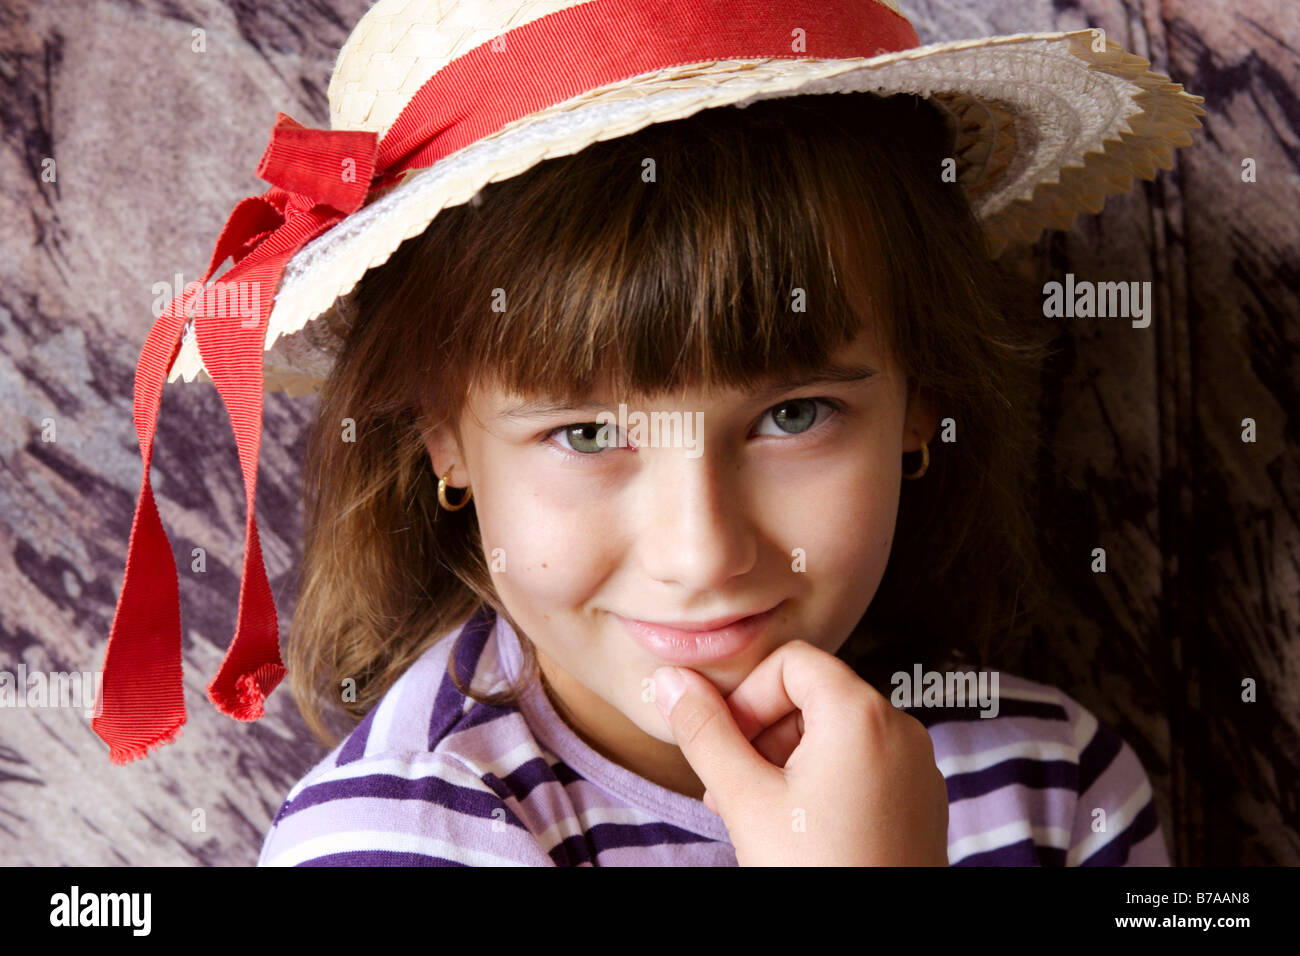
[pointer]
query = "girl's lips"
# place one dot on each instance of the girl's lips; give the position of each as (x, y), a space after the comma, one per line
(675, 646)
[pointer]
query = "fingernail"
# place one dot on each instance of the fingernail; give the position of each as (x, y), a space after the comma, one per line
(669, 684)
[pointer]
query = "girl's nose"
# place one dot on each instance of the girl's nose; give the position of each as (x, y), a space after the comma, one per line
(697, 531)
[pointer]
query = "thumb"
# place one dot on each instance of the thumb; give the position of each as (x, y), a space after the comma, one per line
(703, 727)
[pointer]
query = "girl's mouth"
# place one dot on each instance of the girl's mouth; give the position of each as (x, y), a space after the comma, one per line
(694, 645)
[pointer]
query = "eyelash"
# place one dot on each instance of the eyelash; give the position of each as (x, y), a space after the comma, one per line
(837, 409)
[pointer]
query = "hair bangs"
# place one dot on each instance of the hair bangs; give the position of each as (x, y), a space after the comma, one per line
(663, 262)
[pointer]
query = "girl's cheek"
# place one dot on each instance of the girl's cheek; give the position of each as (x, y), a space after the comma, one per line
(844, 535)
(845, 508)
(549, 544)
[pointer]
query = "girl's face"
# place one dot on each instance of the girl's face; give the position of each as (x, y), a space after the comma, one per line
(788, 501)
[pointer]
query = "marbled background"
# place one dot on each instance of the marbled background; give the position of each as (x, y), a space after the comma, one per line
(154, 144)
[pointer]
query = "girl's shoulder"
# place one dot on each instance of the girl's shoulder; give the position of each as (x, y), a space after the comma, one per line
(406, 786)
(1033, 776)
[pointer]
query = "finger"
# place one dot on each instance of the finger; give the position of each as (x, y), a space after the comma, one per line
(777, 742)
(786, 680)
(702, 726)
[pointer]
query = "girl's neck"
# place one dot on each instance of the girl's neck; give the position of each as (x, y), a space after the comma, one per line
(612, 735)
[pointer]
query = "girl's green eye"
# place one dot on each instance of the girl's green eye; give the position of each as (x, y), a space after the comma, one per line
(794, 416)
(590, 438)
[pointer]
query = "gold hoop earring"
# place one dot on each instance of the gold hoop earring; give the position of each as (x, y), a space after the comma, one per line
(442, 494)
(925, 461)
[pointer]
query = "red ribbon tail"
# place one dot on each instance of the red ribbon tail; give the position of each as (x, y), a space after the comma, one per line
(143, 688)
(252, 667)
(142, 692)
(231, 329)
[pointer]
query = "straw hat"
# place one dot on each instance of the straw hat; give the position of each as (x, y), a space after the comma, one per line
(431, 100)
(1049, 124)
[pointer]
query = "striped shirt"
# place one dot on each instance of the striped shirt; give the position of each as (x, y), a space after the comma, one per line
(432, 777)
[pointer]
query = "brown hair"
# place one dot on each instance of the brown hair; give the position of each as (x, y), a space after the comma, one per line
(651, 283)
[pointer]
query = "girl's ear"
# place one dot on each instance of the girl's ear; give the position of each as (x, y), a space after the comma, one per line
(444, 452)
(922, 419)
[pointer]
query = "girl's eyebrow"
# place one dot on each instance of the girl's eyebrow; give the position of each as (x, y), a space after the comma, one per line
(833, 374)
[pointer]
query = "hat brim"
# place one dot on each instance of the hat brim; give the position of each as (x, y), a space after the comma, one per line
(1047, 127)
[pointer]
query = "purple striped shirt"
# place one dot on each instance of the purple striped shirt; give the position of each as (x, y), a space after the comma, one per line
(431, 777)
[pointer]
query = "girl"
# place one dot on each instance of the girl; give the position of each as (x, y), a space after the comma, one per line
(619, 288)
(539, 624)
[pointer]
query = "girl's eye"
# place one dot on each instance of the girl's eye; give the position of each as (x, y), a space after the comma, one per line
(792, 417)
(587, 438)
(797, 415)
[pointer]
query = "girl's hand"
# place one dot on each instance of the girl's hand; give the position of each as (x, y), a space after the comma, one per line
(836, 775)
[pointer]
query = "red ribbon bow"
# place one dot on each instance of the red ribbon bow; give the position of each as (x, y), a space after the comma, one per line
(320, 176)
